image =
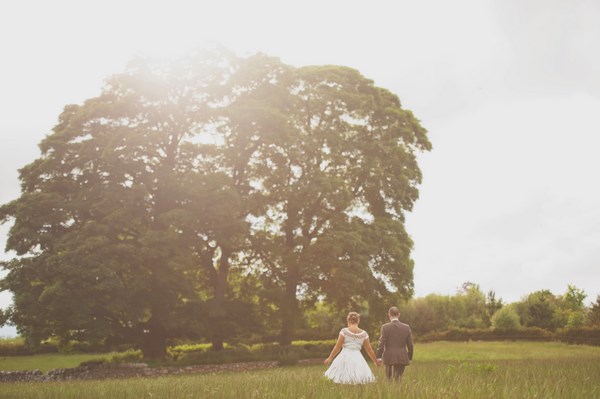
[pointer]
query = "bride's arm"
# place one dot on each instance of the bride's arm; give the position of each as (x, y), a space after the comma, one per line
(370, 350)
(336, 349)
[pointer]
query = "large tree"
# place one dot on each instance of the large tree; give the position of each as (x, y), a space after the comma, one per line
(152, 202)
(107, 247)
(593, 317)
(343, 173)
(539, 309)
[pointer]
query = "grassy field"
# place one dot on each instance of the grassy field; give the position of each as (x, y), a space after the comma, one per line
(440, 370)
(45, 362)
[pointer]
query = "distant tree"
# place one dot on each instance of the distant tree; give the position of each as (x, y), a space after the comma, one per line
(473, 302)
(576, 319)
(593, 316)
(574, 298)
(427, 314)
(324, 321)
(506, 318)
(466, 309)
(492, 305)
(4, 317)
(539, 309)
(571, 312)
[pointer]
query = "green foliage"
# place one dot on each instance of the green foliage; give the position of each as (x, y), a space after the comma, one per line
(546, 310)
(506, 318)
(468, 308)
(133, 229)
(323, 320)
(112, 225)
(287, 355)
(18, 347)
(465, 334)
(4, 316)
(81, 347)
(129, 356)
(492, 306)
(473, 301)
(13, 347)
(539, 309)
(581, 335)
(576, 319)
(94, 363)
(593, 316)
(183, 348)
(574, 298)
(340, 172)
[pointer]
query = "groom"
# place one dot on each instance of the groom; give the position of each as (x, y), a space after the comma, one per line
(395, 346)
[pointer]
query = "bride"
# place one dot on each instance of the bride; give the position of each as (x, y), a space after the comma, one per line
(350, 367)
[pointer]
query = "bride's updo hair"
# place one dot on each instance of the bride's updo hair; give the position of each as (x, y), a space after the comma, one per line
(353, 318)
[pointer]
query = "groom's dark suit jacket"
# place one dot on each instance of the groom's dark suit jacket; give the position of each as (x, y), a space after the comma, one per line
(395, 344)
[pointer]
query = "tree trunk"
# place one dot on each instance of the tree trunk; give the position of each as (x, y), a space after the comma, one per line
(289, 310)
(154, 342)
(289, 303)
(217, 344)
(220, 292)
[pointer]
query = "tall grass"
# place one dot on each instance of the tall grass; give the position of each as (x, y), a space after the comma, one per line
(440, 370)
(504, 350)
(565, 378)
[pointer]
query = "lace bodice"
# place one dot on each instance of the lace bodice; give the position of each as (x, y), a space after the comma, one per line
(352, 340)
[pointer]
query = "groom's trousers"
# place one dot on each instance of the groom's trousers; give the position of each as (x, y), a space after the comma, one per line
(394, 371)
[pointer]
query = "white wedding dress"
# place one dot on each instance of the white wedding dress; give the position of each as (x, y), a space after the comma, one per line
(349, 366)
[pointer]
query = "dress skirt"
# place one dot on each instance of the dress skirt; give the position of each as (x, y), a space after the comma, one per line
(350, 367)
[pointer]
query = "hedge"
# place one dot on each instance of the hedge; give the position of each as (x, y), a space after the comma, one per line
(583, 335)
(17, 347)
(201, 353)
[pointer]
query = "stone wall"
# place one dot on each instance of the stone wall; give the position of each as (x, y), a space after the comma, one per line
(130, 370)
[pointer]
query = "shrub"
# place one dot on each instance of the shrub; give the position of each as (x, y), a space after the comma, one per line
(94, 362)
(287, 355)
(13, 347)
(581, 335)
(576, 320)
(463, 334)
(190, 347)
(506, 318)
(80, 347)
(18, 347)
(129, 356)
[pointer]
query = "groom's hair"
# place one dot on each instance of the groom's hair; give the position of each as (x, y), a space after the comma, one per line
(394, 311)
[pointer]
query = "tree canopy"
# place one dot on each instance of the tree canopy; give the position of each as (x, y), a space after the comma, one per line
(193, 195)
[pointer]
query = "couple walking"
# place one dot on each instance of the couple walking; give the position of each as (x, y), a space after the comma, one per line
(395, 351)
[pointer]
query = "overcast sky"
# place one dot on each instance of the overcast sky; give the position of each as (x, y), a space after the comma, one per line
(509, 91)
